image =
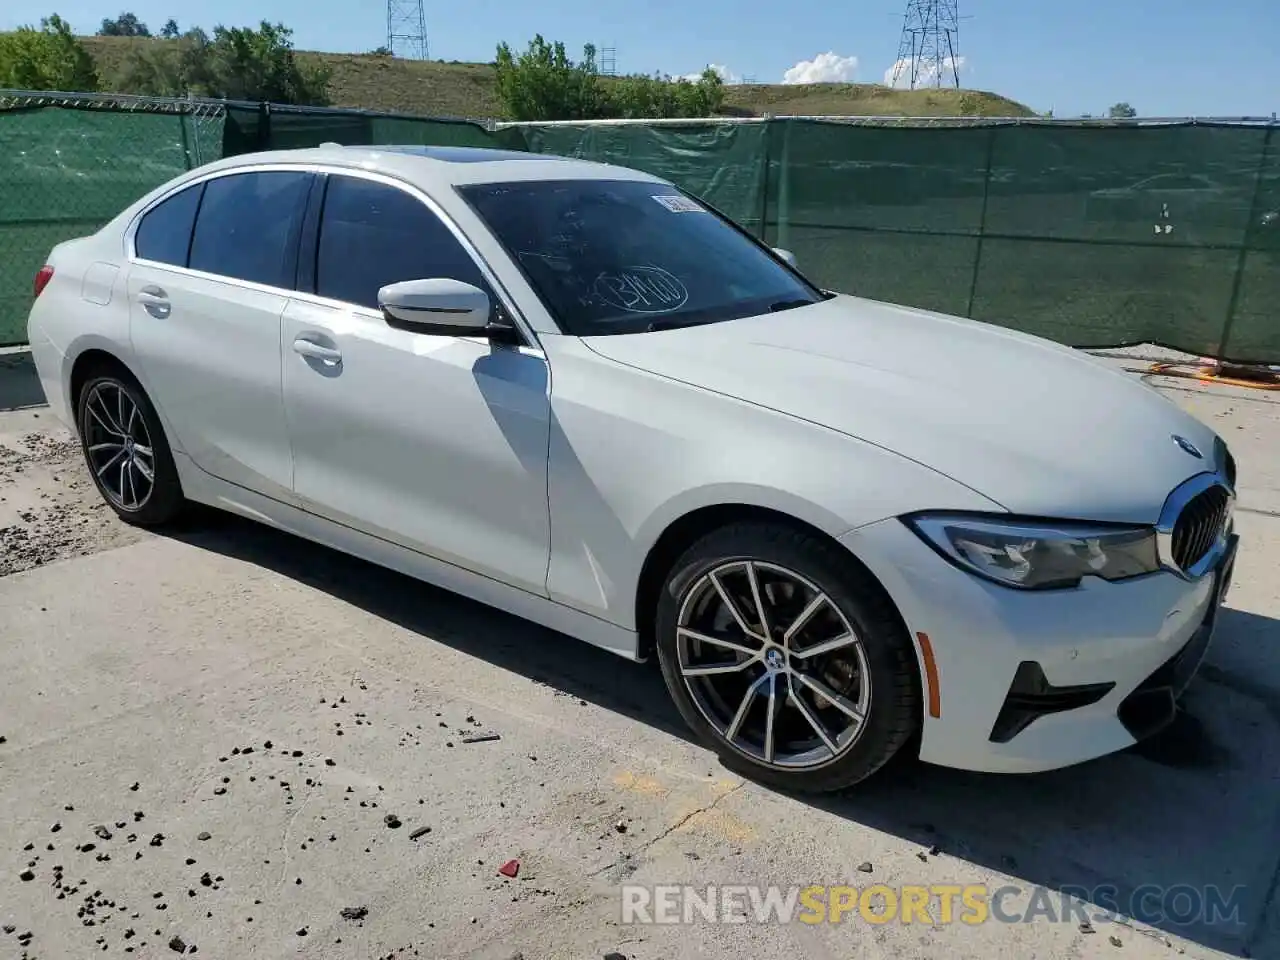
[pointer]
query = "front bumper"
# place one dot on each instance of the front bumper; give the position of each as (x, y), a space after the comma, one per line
(1031, 681)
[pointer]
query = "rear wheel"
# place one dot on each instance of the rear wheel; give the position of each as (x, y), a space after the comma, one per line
(787, 657)
(126, 451)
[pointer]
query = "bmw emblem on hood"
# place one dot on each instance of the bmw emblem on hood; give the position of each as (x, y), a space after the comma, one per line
(1188, 447)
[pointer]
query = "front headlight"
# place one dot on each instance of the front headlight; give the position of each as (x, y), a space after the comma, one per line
(1039, 556)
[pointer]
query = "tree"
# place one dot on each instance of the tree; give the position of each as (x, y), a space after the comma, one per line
(1122, 111)
(50, 58)
(248, 64)
(125, 25)
(168, 70)
(544, 84)
(236, 63)
(641, 97)
(380, 52)
(170, 30)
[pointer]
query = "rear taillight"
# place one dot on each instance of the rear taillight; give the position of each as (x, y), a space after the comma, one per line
(43, 276)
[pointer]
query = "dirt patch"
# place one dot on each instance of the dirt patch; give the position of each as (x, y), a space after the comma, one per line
(49, 508)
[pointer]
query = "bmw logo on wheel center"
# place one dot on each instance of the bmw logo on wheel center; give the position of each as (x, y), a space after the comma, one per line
(1188, 446)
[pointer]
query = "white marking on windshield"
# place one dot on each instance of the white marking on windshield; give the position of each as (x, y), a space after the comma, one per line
(644, 289)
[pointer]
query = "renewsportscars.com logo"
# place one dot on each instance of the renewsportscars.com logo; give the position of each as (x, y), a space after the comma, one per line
(935, 904)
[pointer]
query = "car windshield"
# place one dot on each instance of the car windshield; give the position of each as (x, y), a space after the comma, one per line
(624, 256)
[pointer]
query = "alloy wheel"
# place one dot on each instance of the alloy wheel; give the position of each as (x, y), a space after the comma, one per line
(118, 446)
(773, 664)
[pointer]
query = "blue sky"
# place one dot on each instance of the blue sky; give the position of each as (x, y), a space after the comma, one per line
(1166, 57)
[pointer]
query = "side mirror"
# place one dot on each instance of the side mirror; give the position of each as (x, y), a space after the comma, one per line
(439, 307)
(786, 255)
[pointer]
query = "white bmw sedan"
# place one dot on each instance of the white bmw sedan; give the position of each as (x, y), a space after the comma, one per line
(576, 393)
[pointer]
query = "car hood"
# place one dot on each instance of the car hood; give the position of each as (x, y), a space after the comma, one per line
(1039, 428)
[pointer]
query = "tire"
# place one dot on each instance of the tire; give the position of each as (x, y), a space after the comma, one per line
(855, 604)
(104, 398)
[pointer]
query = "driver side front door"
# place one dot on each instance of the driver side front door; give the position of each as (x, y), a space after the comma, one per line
(436, 443)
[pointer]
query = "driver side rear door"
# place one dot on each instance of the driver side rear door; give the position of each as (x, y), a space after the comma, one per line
(213, 269)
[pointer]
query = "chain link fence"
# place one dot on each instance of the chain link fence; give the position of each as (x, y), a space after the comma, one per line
(1099, 233)
(71, 162)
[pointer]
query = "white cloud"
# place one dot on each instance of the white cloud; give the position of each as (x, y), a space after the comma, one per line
(927, 71)
(827, 67)
(726, 75)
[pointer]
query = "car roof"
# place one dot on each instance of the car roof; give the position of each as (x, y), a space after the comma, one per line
(439, 166)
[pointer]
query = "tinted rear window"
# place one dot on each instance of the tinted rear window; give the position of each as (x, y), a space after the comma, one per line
(248, 227)
(164, 235)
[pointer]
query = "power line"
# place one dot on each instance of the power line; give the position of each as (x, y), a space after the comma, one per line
(929, 49)
(407, 29)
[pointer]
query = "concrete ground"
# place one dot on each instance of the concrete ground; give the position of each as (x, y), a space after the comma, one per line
(217, 740)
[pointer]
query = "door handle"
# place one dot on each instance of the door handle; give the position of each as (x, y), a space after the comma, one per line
(155, 301)
(315, 351)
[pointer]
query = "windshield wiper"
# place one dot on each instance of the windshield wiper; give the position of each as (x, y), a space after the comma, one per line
(674, 323)
(788, 305)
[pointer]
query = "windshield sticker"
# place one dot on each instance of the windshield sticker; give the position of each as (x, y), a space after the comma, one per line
(641, 290)
(678, 204)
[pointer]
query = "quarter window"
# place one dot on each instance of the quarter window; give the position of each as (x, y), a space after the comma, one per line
(164, 233)
(372, 234)
(248, 227)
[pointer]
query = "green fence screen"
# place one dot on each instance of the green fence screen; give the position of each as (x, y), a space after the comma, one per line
(721, 163)
(274, 127)
(1089, 234)
(66, 170)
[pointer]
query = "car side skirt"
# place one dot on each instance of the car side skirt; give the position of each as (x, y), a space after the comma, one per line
(201, 487)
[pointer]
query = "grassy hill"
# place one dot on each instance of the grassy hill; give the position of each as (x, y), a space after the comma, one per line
(468, 90)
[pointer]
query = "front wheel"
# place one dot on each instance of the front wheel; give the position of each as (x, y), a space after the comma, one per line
(126, 451)
(787, 658)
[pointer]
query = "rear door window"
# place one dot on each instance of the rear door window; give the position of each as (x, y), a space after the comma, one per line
(248, 226)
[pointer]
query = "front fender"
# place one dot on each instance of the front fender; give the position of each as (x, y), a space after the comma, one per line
(631, 453)
(687, 502)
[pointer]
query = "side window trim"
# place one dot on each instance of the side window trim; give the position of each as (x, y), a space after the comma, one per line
(509, 307)
(309, 236)
(295, 234)
(289, 271)
(202, 181)
(197, 190)
(497, 292)
(195, 218)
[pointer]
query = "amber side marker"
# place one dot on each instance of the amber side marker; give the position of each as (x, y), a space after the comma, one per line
(930, 675)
